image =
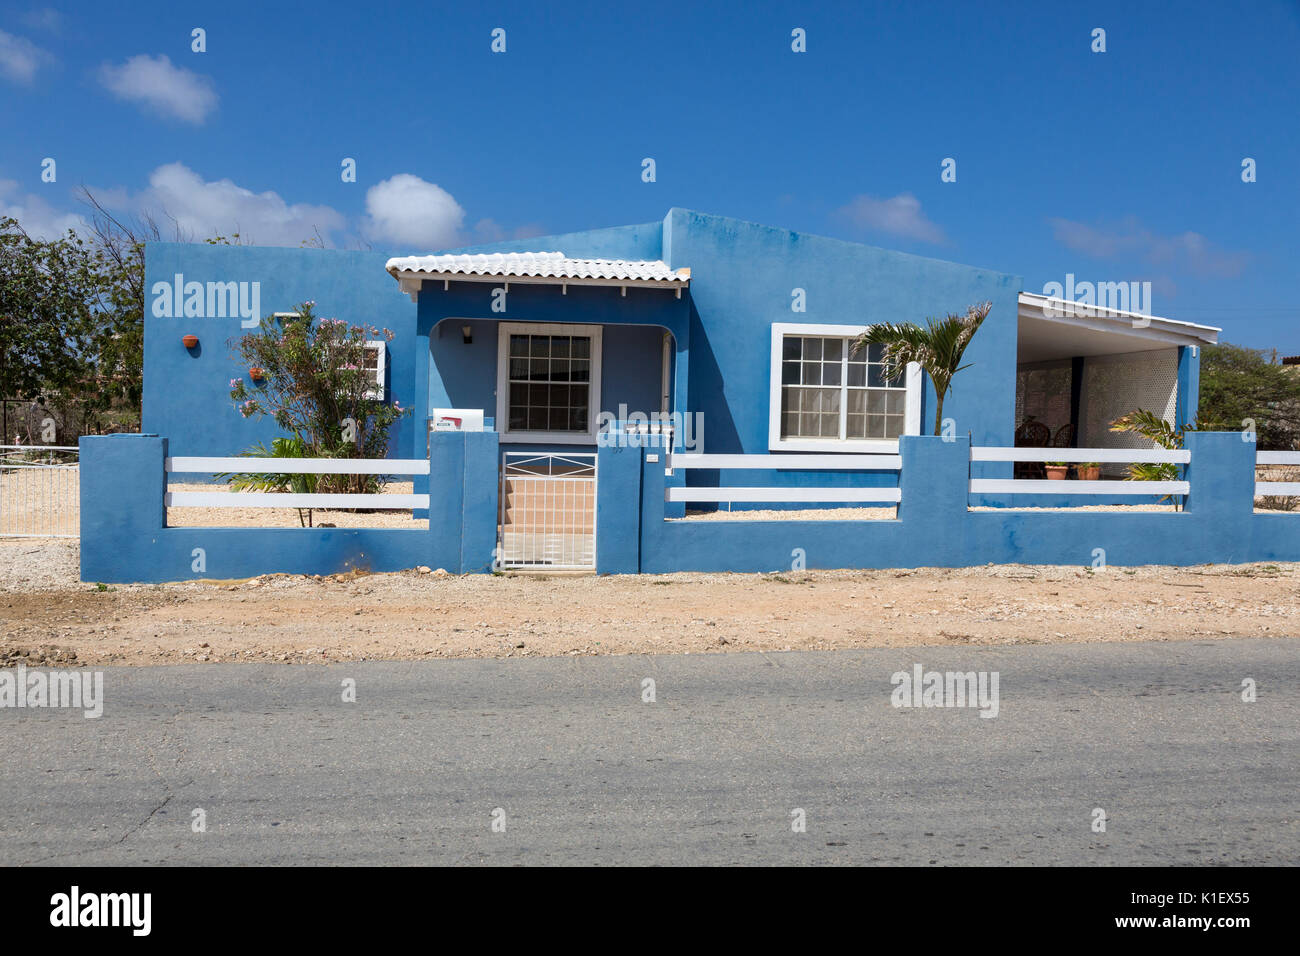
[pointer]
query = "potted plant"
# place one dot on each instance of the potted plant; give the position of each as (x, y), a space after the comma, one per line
(1057, 470)
(256, 373)
(1089, 471)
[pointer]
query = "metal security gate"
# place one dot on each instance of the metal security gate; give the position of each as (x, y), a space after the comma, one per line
(548, 512)
(40, 491)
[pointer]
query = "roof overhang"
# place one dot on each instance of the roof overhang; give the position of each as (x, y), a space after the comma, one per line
(1049, 324)
(535, 268)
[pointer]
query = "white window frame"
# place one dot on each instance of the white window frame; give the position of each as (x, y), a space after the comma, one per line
(507, 329)
(912, 381)
(377, 393)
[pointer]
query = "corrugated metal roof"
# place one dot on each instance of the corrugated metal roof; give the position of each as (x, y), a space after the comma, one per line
(540, 265)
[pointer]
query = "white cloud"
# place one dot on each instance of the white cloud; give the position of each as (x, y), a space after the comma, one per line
(20, 58)
(1189, 251)
(202, 209)
(37, 217)
(405, 209)
(153, 82)
(899, 216)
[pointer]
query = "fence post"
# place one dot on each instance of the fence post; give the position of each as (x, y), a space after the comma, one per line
(618, 501)
(123, 480)
(935, 482)
(481, 502)
(1222, 478)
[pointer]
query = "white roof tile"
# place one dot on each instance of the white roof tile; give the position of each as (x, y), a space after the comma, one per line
(540, 265)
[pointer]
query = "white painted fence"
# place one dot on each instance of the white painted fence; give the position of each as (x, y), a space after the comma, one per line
(293, 466)
(786, 493)
(1268, 488)
(1047, 486)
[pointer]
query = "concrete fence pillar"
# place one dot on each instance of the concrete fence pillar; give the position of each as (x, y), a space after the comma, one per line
(618, 503)
(464, 492)
(935, 482)
(1222, 477)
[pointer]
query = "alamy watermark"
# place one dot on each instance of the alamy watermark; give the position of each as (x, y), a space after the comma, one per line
(21, 688)
(1083, 299)
(622, 429)
(922, 688)
(212, 300)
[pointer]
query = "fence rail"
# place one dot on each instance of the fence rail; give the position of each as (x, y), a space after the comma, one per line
(785, 493)
(294, 466)
(1156, 456)
(1270, 489)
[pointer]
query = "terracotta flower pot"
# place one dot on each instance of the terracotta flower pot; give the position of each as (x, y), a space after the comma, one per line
(189, 341)
(256, 374)
(1089, 472)
(1057, 472)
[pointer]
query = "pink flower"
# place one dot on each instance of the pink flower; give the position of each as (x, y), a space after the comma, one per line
(234, 382)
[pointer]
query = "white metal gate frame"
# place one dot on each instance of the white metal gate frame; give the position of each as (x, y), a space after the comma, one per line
(49, 499)
(559, 550)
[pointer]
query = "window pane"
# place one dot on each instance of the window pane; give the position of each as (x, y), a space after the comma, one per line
(519, 368)
(832, 349)
(537, 395)
(789, 373)
(790, 347)
(559, 397)
(831, 374)
(857, 375)
(857, 426)
(896, 403)
(812, 373)
(537, 419)
(541, 346)
(579, 369)
(537, 369)
(518, 345)
(893, 426)
(581, 347)
(857, 400)
(876, 376)
(789, 425)
(875, 401)
(812, 350)
(559, 370)
(560, 346)
(559, 419)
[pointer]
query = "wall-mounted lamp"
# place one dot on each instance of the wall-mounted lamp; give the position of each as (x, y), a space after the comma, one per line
(467, 333)
(190, 341)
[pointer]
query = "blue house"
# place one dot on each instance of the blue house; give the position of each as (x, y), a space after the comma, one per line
(734, 336)
(745, 326)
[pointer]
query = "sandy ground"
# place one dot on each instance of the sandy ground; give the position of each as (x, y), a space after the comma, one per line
(49, 617)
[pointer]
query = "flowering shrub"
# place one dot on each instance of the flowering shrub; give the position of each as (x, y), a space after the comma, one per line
(315, 386)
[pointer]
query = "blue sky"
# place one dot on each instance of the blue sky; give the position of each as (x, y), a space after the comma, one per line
(1115, 166)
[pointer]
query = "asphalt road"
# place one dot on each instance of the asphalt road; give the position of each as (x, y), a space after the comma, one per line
(1156, 735)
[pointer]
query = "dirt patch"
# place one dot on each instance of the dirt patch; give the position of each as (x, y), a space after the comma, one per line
(47, 615)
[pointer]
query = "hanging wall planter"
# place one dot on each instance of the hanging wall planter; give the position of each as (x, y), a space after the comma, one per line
(256, 374)
(190, 341)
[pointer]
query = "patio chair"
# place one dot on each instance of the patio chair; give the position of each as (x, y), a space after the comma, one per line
(1064, 437)
(1031, 434)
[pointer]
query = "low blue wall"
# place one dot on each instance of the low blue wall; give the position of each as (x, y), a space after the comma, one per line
(124, 537)
(934, 527)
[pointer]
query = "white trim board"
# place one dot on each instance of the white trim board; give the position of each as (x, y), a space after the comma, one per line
(273, 499)
(789, 462)
(1046, 486)
(878, 495)
(1179, 456)
(299, 466)
(913, 381)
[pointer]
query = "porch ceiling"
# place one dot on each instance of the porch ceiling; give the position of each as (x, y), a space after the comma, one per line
(1055, 329)
(546, 268)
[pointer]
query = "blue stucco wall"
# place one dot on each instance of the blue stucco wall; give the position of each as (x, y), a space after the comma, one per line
(124, 537)
(187, 392)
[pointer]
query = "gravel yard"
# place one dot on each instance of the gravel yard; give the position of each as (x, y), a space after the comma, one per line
(49, 616)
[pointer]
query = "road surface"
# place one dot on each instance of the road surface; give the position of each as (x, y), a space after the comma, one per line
(574, 767)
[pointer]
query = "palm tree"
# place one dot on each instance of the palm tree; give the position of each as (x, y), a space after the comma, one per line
(937, 347)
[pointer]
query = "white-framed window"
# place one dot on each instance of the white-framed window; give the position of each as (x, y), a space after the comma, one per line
(824, 398)
(374, 362)
(548, 382)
